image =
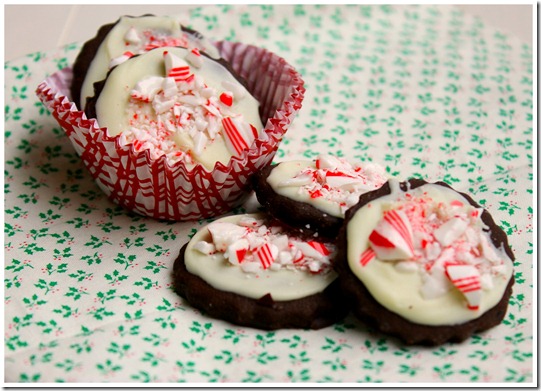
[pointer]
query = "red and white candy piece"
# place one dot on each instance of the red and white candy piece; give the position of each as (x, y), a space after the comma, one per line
(467, 279)
(238, 134)
(204, 247)
(340, 179)
(226, 98)
(132, 37)
(176, 67)
(146, 89)
(299, 257)
(488, 250)
(312, 249)
(328, 162)
(224, 234)
(300, 180)
(319, 247)
(236, 252)
(236, 89)
(162, 104)
(266, 254)
(194, 58)
(120, 59)
(392, 239)
(450, 231)
(367, 256)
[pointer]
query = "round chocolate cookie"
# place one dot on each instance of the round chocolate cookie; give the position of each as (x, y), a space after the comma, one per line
(129, 34)
(180, 104)
(312, 196)
(299, 215)
(424, 263)
(258, 285)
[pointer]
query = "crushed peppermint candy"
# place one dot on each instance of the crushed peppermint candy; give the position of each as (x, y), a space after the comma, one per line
(445, 242)
(140, 41)
(253, 245)
(336, 180)
(179, 116)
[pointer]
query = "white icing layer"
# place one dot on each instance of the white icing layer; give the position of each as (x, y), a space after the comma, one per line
(241, 254)
(330, 184)
(137, 35)
(160, 101)
(455, 273)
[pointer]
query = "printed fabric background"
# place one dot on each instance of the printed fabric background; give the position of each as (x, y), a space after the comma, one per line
(425, 91)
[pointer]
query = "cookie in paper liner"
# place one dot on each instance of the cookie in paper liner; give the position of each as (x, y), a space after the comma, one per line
(128, 36)
(154, 188)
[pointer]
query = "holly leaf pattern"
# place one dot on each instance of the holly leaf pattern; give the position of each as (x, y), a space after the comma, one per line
(424, 90)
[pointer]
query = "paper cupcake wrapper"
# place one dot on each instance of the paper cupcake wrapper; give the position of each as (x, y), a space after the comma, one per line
(153, 188)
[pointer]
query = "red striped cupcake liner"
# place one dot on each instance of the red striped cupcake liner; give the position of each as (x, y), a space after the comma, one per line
(152, 187)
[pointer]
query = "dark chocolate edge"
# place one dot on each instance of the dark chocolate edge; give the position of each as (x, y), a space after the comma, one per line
(296, 214)
(83, 61)
(312, 312)
(370, 311)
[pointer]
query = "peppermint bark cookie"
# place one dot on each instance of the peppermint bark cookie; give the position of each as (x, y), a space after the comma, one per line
(174, 102)
(249, 271)
(313, 196)
(128, 36)
(425, 263)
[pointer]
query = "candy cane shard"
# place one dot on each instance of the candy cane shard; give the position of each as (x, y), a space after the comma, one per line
(194, 58)
(120, 59)
(450, 231)
(299, 257)
(204, 247)
(300, 180)
(367, 256)
(236, 252)
(226, 98)
(319, 247)
(467, 279)
(146, 89)
(340, 179)
(224, 234)
(238, 134)
(327, 162)
(237, 91)
(310, 251)
(266, 254)
(392, 239)
(132, 36)
(176, 67)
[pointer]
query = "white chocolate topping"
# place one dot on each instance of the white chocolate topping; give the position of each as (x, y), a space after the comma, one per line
(244, 255)
(329, 183)
(443, 267)
(132, 36)
(159, 101)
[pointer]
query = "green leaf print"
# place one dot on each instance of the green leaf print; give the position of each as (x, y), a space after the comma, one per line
(426, 91)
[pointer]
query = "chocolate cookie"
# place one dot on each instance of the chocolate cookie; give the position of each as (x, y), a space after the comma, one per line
(424, 263)
(129, 35)
(313, 196)
(180, 103)
(246, 272)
